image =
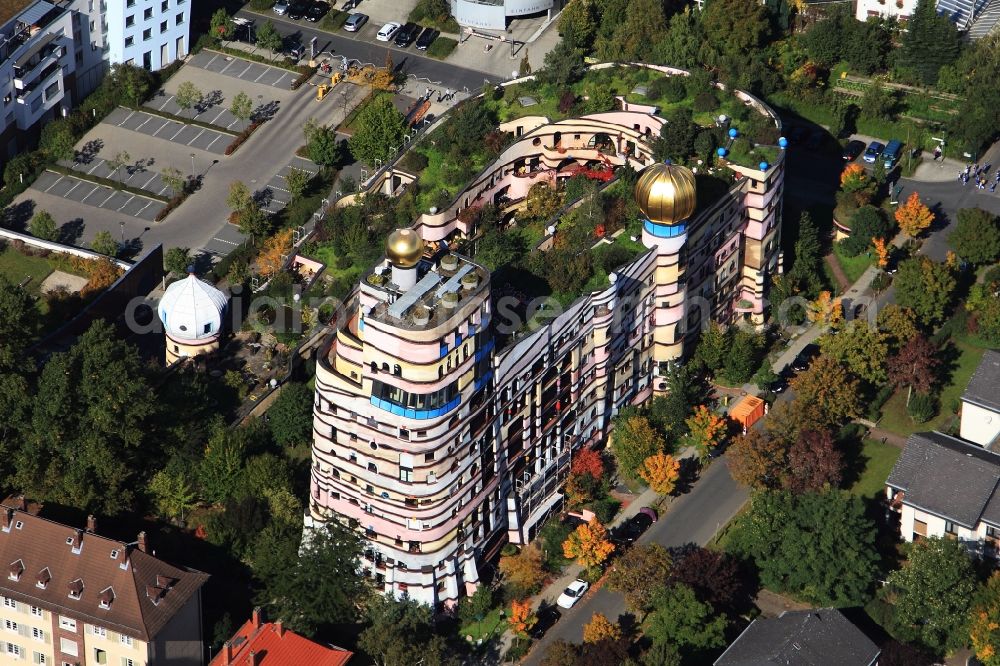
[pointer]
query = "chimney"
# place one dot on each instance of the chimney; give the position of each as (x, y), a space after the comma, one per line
(227, 653)
(77, 539)
(279, 628)
(256, 617)
(91, 523)
(142, 541)
(20, 503)
(6, 518)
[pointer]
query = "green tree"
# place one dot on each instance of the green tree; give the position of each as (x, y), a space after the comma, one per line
(297, 181)
(743, 356)
(219, 472)
(677, 135)
(984, 304)
(735, 27)
(242, 106)
(827, 387)
(867, 223)
(643, 25)
(221, 25)
(57, 139)
(578, 24)
(660, 654)
(18, 319)
(684, 391)
(103, 243)
(475, 608)
(879, 102)
(860, 347)
(932, 592)
(680, 44)
(130, 84)
(825, 41)
(679, 619)
(926, 287)
(380, 129)
(563, 65)
(268, 38)
(817, 546)
(188, 95)
(976, 237)
(324, 148)
(497, 248)
(712, 346)
(172, 494)
(173, 179)
(290, 417)
(930, 41)
(177, 260)
(638, 573)
(634, 440)
(397, 630)
(120, 160)
(43, 226)
(867, 46)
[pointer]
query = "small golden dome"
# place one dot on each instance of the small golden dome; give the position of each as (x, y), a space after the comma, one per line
(666, 193)
(404, 247)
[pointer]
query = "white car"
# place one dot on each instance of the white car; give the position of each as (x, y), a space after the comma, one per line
(573, 593)
(387, 31)
(280, 7)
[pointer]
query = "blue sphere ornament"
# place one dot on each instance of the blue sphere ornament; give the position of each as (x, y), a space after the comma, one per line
(668, 161)
(782, 142)
(733, 132)
(721, 152)
(764, 166)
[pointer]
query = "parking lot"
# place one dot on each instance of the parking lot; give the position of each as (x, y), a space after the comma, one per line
(275, 194)
(238, 68)
(226, 239)
(213, 114)
(98, 196)
(211, 141)
(138, 174)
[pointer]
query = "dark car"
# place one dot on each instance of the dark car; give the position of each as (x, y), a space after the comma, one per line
(426, 38)
(317, 10)
(853, 149)
(633, 528)
(805, 357)
(297, 10)
(779, 386)
(406, 35)
(547, 617)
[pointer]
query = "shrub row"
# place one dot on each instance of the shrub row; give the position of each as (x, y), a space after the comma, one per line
(106, 182)
(189, 188)
(243, 136)
(442, 47)
(305, 73)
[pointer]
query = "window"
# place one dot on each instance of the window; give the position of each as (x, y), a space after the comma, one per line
(66, 623)
(130, 3)
(164, 5)
(9, 603)
(147, 34)
(950, 528)
(208, 327)
(36, 611)
(405, 474)
(52, 90)
(163, 28)
(38, 634)
(66, 646)
(14, 649)
(127, 661)
(100, 656)
(148, 14)
(101, 631)
(129, 41)
(129, 21)
(38, 658)
(10, 625)
(125, 640)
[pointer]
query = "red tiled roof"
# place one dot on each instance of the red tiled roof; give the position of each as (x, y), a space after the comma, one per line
(71, 572)
(274, 646)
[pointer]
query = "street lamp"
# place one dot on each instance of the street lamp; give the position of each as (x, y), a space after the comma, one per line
(192, 164)
(122, 224)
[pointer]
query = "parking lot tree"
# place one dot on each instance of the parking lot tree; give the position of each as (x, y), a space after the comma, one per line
(177, 259)
(173, 179)
(255, 222)
(188, 96)
(633, 440)
(914, 365)
(931, 594)
(103, 243)
(43, 226)
(241, 107)
(661, 472)
(239, 198)
(984, 629)
(814, 463)
(913, 216)
(638, 573)
(578, 24)
(926, 287)
(600, 628)
(681, 620)
(828, 387)
(221, 25)
(269, 39)
(324, 148)
(120, 160)
(297, 181)
(860, 347)
(589, 545)
(523, 573)
(563, 65)
(380, 130)
(976, 237)
(930, 41)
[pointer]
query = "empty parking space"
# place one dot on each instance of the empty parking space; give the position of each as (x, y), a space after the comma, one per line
(275, 194)
(215, 114)
(226, 239)
(98, 196)
(208, 140)
(136, 174)
(243, 69)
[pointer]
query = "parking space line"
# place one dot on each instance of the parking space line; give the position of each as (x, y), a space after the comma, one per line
(98, 163)
(196, 137)
(157, 130)
(75, 185)
(266, 71)
(249, 65)
(229, 62)
(56, 182)
(127, 118)
(131, 196)
(101, 205)
(138, 212)
(151, 179)
(211, 61)
(140, 125)
(219, 136)
(88, 194)
(177, 132)
(166, 101)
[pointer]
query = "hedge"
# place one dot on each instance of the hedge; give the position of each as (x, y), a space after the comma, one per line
(106, 182)
(243, 136)
(442, 47)
(189, 188)
(305, 73)
(333, 21)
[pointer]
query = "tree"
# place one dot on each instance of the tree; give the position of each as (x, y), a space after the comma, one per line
(926, 287)
(43, 226)
(241, 107)
(255, 222)
(563, 65)
(177, 260)
(714, 577)
(397, 630)
(827, 385)
(684, 390)
(600, 628)
(589, 545)
(817, 546)
(679, 619)
(634, 439)
(868, 222)
(103, 243)
(930, 41)
(324, 148)
(297, 181)
(985, 308)
(644, 24)
(984, 629)
(587, 461)
(18, 319)
(268, 38)
(290, 417)
(976, 237)
(523, 573)
(661, 654)
(497, 249)
(899, 324)
(814, 463)
(712, 346)
(742, 355)
(578, 24)
(758, 460)
(660, 472)
(638, 573)
(173, 179)
(861, 348)
(172, 494)
(521, 618)
(932, 592)
(913, 366)
(380, 130)
(129, 83)
(474, 608)
(824, 41)
(677, 135)
(561, 653)
(765, 378)
(121, 159)
(881, 252)
(188, 96)
(706, 430)
(57, 139)
(826, 310)
(735, 27)
(542, 202)
(221, 25)
(913, 216)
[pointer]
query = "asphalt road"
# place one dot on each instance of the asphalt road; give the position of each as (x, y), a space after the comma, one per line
(692, 518)
(362, 46)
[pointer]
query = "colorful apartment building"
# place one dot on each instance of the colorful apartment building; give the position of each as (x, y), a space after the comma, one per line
(438, 446)
(73, 598)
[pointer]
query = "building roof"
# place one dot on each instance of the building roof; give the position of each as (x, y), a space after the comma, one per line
(982, 389)
(188, 306)
(948, 477)
(90, 578)
(273, 645)
(822, 637)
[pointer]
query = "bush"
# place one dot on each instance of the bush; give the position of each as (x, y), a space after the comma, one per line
(414, 160)
(243, 136)
(509, 550)
(922, 407)
(605, 509)
(344, 262)
(875, 406)
(518, 650)
(669, 88)
(305, 73)
(705, 101)
(442, 48)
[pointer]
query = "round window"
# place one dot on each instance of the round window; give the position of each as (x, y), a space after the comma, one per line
(373, 446)
(183, 327)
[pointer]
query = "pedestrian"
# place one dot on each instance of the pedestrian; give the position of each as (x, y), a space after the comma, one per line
(993, 187)
(447, 94)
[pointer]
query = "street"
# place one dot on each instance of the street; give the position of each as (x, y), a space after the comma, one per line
(692, 518)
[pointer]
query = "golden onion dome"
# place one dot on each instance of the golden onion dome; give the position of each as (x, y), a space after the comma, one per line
(666, 193)
(404, 247)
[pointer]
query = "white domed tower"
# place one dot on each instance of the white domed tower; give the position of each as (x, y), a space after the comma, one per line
(191, 311)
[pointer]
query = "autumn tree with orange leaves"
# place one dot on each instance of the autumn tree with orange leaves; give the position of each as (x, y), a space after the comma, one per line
(589, 545)
(523, 573)
(913, 216)
(521, 619)
(585, 475)
(661, 472)
(881, 252)
(706, 430)
(600, 628)
(826, 310)
(275, 249)
(828, 387)
(984, 628)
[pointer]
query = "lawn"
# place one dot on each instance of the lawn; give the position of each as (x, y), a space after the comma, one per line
(853, 267)
(491, 625)
(879, 459)
(16, 267)
(894, 415)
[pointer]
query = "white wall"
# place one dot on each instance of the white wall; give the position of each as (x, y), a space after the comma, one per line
(127, 25)
(979, 425)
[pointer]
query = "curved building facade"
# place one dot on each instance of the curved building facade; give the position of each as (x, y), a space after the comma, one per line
(438, 447)
(493, 14)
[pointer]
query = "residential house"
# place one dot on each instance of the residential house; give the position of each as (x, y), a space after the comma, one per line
(260, 643)
(981, 403)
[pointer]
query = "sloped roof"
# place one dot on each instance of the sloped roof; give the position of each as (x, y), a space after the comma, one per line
(948, 477)
(274, 645)
(822, 637)
(145, 592)
(984, 387)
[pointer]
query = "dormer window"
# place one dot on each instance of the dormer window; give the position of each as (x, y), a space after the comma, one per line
(154, 594)
(44, 576)
(164, 581)
(107, 598)
(114, 554)
(16, 569)
(76, 589)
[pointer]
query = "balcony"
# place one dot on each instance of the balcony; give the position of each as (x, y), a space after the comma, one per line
(39, 57)
(40, 82)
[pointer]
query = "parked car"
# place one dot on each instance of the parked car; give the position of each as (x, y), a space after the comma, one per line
(547, 617)
(779, 386)
(633, 528)
(387, 31)
(426, 38)
(280, 7)
(572, 594)
(874, 150)
(892, 153)
(350, 4)
(355, 21)
(805, 357)
(317, 10)
(296, 51)
(297, 9)
(406, 35)
(853, 149)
